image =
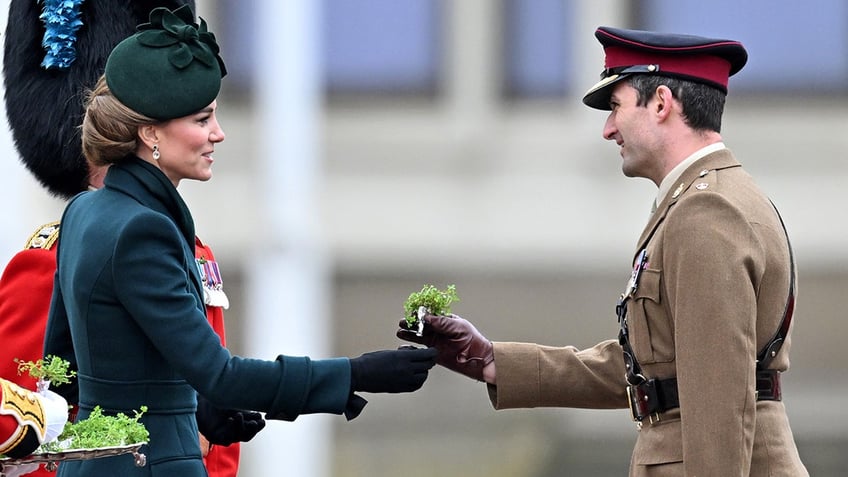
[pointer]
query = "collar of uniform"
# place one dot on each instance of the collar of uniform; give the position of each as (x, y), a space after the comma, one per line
(671, 178)
(720, 159)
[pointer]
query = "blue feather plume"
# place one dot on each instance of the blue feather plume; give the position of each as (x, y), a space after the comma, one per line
(61, 20)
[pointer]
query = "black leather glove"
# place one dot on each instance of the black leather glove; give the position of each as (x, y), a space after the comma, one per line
(391, 371)
(461, 347)
(226, 426)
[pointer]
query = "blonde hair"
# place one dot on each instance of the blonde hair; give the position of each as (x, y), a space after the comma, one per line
(109, 128)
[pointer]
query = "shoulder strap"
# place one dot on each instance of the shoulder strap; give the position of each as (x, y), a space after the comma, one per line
(768, 353)
(633, 372)
(44, 237)
(764, 357)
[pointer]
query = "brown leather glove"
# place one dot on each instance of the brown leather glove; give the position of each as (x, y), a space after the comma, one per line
(461, 347)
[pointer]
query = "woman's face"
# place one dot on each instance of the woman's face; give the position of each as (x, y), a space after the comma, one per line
(186, 145)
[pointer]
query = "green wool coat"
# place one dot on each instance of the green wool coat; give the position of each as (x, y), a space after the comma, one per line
(128, 313)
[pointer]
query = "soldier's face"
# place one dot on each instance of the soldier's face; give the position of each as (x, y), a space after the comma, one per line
(631, 127)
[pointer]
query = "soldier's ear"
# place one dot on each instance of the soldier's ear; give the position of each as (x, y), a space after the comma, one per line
(664, 101)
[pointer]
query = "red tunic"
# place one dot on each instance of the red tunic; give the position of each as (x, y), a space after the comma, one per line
(220, 461)
(25, 290)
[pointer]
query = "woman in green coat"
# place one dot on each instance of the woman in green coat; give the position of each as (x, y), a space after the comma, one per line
(127, 307)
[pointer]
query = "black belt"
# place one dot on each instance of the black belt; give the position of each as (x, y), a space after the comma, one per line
(655, 396)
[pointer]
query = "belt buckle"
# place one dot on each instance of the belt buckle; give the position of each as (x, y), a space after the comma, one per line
(639, 407)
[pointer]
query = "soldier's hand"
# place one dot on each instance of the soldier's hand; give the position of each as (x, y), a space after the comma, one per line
(461, 347)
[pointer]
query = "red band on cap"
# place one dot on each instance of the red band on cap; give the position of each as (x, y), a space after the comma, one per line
(706, 67)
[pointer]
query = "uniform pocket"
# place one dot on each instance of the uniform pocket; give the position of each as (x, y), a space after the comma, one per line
(651, 334)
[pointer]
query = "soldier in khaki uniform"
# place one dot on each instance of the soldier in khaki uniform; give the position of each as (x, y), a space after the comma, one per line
(705, 317)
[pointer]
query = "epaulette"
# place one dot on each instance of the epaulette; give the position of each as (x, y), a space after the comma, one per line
(702, 182)
(44, 237)
(707, 177)
(24, 420)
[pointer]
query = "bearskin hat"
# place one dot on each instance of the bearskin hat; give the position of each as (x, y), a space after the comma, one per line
(45, 96)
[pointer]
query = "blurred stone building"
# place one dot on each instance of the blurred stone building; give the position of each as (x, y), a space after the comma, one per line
(453, 148)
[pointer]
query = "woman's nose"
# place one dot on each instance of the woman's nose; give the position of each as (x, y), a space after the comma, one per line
(217, 134)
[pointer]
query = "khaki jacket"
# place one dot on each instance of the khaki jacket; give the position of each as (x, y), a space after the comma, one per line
(712, 295)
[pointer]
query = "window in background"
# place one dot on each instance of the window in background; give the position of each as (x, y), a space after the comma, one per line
(382, 47)
(374, 47)
(537, 47)
(237, 36)
(792, 46)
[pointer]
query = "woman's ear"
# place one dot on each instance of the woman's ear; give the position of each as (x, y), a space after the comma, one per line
(147, 135)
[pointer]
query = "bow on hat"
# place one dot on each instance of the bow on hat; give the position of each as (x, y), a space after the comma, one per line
(177, 30)
(154, 72)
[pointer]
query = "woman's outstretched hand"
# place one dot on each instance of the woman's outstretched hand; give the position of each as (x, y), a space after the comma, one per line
(391, 371)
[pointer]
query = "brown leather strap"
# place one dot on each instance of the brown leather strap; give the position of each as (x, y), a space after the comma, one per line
(769, 352)
(633, 372)
(656, 396)
(764, 357)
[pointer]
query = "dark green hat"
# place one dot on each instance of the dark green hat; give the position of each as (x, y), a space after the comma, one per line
(169, 68)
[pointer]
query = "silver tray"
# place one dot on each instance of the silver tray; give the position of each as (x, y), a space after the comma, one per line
(51, 459)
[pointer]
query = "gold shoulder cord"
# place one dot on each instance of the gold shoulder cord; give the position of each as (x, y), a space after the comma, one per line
(45, 237)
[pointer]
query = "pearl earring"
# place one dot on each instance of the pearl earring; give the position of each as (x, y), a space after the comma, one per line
(156, 152)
